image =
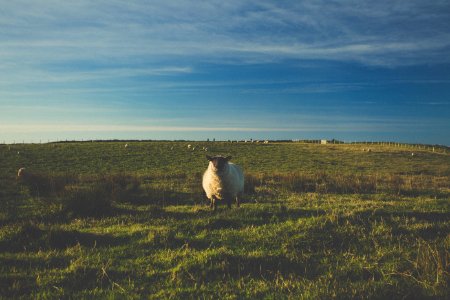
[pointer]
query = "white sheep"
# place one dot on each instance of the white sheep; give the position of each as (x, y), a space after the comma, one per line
(189, 146)
(21, 173)
(222, 180)
(126, 145)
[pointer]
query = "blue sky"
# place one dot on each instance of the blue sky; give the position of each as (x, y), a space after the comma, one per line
(350, 70)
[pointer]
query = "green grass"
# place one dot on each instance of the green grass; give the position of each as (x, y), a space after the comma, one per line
(318, 221)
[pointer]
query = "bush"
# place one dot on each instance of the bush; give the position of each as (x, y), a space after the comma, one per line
(123, 188)
(91, 200)
(39, 184)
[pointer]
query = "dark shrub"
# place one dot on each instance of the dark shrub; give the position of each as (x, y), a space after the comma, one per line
(40, 184)
(123, 188)
(89, 200)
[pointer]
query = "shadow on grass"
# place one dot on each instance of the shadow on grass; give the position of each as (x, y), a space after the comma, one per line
(228, 266)
(31, 238)
(370, 215)
(89, 278)
(431, 225)
(14, 286)
(236, 218)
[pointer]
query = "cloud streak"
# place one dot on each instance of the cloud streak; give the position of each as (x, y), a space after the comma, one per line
(383, 33)
(106, 40)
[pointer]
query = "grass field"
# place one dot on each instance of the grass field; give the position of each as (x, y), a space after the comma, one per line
(318, 221)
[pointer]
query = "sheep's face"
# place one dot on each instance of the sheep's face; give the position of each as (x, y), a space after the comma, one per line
(218, 162)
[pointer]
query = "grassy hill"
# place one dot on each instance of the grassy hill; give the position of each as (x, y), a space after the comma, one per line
(98, 219)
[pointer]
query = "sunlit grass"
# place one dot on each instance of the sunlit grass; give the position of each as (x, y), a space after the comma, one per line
(317, 222)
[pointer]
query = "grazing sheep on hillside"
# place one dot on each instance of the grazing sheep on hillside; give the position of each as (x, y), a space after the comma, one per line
(126, 145)
(222, 180)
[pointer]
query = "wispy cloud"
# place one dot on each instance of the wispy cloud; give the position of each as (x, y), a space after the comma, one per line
(116, 39)
(386, 32)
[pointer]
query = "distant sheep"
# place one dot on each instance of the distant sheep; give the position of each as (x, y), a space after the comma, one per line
(126, 145)
(223, 180)
(189, 146)
(21, 173)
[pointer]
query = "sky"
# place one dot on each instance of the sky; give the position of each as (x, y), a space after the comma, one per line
(105, 69)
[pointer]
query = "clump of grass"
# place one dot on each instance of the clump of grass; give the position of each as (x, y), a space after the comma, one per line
(251, 182)
(89, 200)
(336, 183)
(123, 188)
(41, 184)
(320, 182)
(431, 266)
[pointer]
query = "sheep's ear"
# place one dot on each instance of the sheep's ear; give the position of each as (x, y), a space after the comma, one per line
(228, 158)
(209, 157)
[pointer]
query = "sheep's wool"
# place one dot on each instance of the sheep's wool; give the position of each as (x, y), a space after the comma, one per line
(230, 182)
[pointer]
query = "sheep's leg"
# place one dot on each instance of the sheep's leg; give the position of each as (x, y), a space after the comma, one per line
(228, 201)
(238, 204)
(213, 204)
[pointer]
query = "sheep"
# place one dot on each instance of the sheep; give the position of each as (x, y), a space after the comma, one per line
(21, 173)
(222, 180)
(126, 145)
(189, 146)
